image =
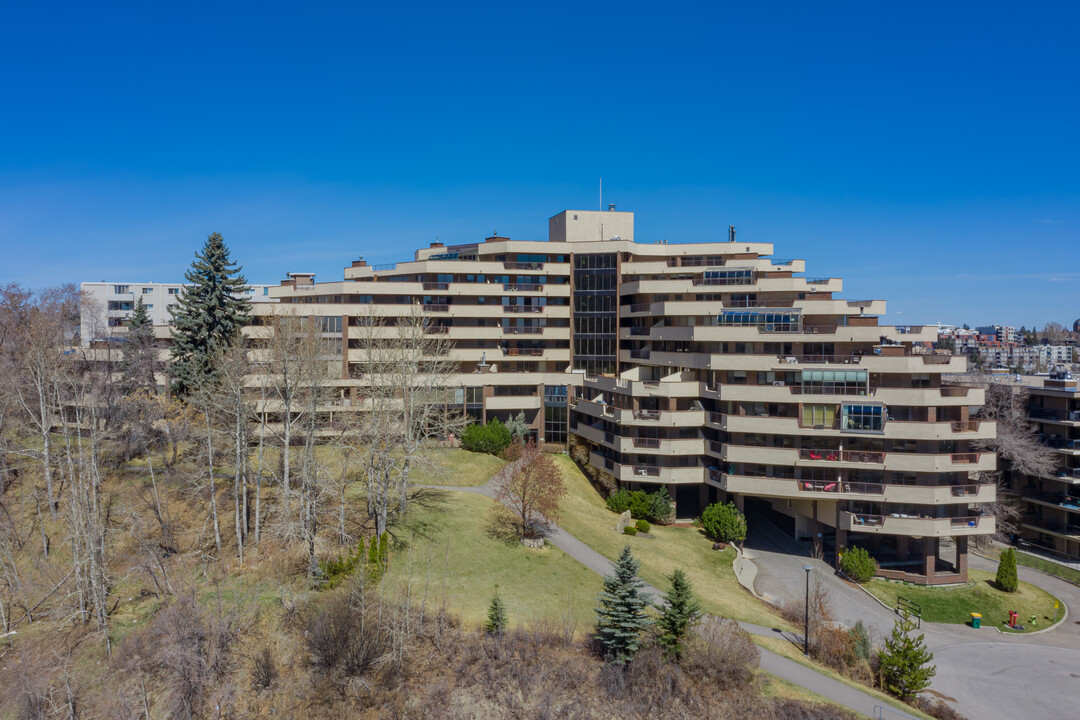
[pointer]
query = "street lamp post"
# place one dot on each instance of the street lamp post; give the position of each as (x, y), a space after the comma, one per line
(806, 615)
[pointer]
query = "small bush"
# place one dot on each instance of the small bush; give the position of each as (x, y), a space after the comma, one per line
(491, 438)
(629, 530)
(1006, 579)
(643, 526)
(724, 523)
(639, 504)
(861, 641)
(661, 509)
(619, 501)
(857, 564)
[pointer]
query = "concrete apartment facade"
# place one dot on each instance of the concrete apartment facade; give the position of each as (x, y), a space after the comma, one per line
(107, 307)
(1051, 503)
(711, 368)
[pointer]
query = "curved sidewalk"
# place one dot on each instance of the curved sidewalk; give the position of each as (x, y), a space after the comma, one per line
(778, 665)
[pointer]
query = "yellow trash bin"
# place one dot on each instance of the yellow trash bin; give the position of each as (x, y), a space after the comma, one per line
(976, 620)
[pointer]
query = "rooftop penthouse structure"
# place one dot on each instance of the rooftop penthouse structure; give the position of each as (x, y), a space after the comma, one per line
(712, 368)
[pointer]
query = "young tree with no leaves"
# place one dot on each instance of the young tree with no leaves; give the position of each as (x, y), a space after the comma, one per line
(529, 490)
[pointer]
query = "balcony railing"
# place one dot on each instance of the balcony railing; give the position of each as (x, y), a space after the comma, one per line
(523, 308)
(523, 265)
(509, 330)
(640, 307)
(646, 471)
(1062, 443)
(436, 308)
(1039, 413)
(640, 442)
(964, 458)
(437, 329)
(828, 390)
(640, 330)
(821, 359)
(851, 456)
(639, 354)
(646, 414)
(964, 426)
(838, 486)
(522, 287)
(436, 286)
(530, 352)
(953, 391)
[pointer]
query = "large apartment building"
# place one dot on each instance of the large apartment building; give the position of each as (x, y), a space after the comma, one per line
(107, 307)
(714, 369)
(1051, 503)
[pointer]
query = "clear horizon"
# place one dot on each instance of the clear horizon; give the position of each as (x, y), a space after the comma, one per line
(925, 154)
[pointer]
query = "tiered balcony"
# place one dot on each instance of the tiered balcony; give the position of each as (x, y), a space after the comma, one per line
(899, 524)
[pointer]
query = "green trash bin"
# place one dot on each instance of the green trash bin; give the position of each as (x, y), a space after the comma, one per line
(976, 620)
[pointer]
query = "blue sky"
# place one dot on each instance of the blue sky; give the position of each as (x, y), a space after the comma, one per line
(929, 153)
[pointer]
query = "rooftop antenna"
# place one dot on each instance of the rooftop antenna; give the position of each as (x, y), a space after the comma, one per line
(601, 193)
(731, 233)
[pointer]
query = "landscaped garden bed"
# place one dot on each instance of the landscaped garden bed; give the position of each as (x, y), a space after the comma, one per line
(954, 604)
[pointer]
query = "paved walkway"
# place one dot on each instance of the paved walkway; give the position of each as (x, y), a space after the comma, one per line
(789, 670)
(986, 674)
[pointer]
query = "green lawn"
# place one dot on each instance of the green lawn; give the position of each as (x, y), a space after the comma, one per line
(586, 517)
(1036, 563)
(459, 468)
(955, 604)
(534, 584)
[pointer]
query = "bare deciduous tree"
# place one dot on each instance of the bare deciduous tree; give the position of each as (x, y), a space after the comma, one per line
(529, 490)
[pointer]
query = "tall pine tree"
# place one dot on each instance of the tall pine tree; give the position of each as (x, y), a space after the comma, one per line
(140, 355)
(680, 614)
(905, 662)
(208, 316)
(620, 616)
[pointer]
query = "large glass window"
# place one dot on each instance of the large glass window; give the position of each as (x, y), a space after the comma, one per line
(766, 321)
(864, 418)
(834, 382)
(730, 276)
(813, 415)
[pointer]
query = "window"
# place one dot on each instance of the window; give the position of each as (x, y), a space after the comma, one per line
(120, 289)
(147, 290)
(863, 418)
(733, 276)
(149, 306)
(174, 291)
(813, 415)
(266, 291)
(834, 382)
(764, 321)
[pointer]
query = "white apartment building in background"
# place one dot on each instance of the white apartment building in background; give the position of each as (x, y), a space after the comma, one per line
(107, 306)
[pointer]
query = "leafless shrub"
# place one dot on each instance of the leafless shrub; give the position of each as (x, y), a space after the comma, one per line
(791, 709)
(722, 653)
(937, 708)
(264, 670)
(341, 640)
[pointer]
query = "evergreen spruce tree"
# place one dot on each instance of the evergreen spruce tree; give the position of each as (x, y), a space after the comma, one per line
(905, 662)
(620, 616)
(207, 317)
(496, 617)
(140, 357)
(680, 614)
(1006, 573)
